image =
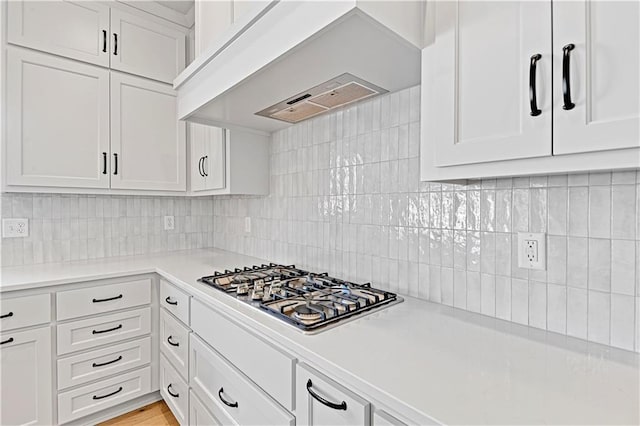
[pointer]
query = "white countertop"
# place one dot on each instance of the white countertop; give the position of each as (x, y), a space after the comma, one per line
(422, 359)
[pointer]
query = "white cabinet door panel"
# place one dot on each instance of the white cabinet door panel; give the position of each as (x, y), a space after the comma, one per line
(146, 48)
(76, 29)
(477, 81)
(57, 121)
(25, 377)
(214, 164)
(146, 136)
(321, 401)
(603, 79)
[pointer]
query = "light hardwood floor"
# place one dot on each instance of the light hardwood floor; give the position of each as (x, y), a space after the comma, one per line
(151, 415)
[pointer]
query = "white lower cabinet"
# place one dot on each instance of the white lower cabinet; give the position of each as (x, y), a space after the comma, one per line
(26, 377)
(174, 342)
(175, 391)
(92, 398)
(322, 401)
(199, 415)
(228, 393)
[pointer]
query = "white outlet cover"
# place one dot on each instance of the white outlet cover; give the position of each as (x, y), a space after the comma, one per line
(15, 228)
(541, 240)
(169, 223)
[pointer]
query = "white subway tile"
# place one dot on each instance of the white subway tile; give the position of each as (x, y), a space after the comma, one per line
(622, 321)
(599, 317)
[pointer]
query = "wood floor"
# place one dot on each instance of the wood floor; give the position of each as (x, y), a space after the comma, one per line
(153, 414)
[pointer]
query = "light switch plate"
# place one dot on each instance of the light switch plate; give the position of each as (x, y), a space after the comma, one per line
(15, 228)
(532, 250)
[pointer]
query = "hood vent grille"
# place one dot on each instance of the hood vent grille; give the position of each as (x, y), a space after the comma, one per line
(337, 92)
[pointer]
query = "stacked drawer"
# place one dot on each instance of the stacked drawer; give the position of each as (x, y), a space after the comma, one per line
(174, 349)
(252, 390)
(104, 346)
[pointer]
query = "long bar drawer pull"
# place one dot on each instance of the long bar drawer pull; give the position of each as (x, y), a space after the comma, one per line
(172, 343)
(9, 340)
(341, 406)
(168, 300)
(175, 395)
(107, 395)
(95, 364)
(118, 327)
(533, 99)
(227, 403)
(107, 299)
(9, 315)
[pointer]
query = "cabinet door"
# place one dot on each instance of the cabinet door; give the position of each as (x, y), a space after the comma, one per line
(148, 144)
(604, 66)
(147, 48)
(76, 29)
(57, 121)
(215, 158)
(321, 401)
(197, 154)
(477, 81)
(212, 18)
(25, 377)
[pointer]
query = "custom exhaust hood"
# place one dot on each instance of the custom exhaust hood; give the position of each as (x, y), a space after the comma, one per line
(294, 60)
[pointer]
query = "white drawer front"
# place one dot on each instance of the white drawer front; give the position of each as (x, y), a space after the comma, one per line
(103, 298)
(107, 393)
(228, 393)
(247, 352)
(86, 367)
(175, 301)
(174, 342)
(312, 387)
(175, 391)
(88, 333)
(25, 311)
(199, 415)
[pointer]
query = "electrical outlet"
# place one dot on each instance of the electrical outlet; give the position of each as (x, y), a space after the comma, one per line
(247, 225)
(532, 250)
(15, 228)
(169, 223)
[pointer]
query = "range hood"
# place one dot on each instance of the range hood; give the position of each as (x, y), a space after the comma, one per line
(297, 59)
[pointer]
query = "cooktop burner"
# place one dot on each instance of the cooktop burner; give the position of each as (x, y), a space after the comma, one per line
(307, 300)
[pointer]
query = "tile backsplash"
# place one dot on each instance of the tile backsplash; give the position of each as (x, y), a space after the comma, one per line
(346, 198)
(77, 227)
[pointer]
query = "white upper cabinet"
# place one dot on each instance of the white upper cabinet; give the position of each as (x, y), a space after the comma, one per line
(144, 47)
(489, 107)
(148, 144)
(207, 157)
(478, 88)
(602, 109)
(76, 29)
(57, 121)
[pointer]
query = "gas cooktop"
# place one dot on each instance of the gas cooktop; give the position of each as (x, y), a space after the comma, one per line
(309, 301)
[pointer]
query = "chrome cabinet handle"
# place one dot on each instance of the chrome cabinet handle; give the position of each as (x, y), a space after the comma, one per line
(108, 299)
(175, 395)
(95, 364)
(107, 395)
(535, 111)
(227, 403)
(335, 406)
(566, 78)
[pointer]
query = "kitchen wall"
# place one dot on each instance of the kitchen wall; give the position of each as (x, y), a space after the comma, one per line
(346, 198)
(77, 227)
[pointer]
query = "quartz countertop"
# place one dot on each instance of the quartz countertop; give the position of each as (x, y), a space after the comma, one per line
(423, 360)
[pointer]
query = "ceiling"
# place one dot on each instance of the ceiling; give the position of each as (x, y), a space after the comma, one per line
(181, 6)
